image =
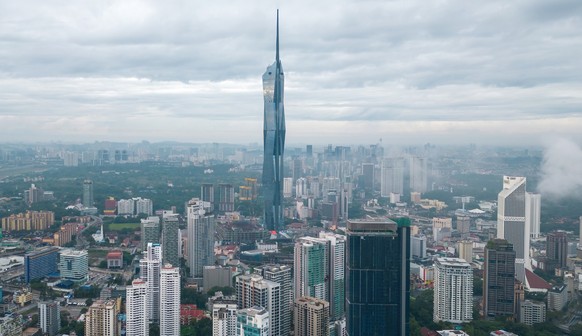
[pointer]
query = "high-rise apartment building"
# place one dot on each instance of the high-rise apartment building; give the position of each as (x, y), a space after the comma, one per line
(41, 263)
(88, 193)
(287, 187)
(201, 230)
(28, 221)
(557, 249)
(101, 318)
(74, 265)
(254, 291)
(301, 187)
(207, 195)
(311, 317)
(171, 240)
(336, 275)
(136, 309)
(311, 267)
(499, 279)
(150, 266)
(532, 312)
(465, 248)
(49, 316)
(392, 177)
(453, 290)
(511, 222)
(273, 141)
(226, 198)
(281, 274)
(418, 174)
(150, 231)
(533, 206)
(169, 301)
(379, 250)
(254, 321)
(144, 206)
(224, 319)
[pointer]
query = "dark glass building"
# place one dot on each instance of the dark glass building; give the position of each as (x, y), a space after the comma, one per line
(39, 264)
(274, 141)
(499, 279)
(377, 278)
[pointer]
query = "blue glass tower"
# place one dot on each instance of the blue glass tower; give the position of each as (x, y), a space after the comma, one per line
(274, 141)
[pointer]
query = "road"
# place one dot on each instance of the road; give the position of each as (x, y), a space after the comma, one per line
(81, 241)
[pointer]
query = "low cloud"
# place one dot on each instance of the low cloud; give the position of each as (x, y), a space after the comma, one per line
(561, 170)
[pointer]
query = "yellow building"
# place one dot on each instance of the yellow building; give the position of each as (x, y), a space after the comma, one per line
(22, 298)
(29, 221)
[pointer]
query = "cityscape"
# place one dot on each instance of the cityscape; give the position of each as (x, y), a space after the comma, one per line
(345, 235)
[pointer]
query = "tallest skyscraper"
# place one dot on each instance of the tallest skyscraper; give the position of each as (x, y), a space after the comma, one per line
(274, 141)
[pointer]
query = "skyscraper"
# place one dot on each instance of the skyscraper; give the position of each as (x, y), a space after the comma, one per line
(74, 265)
(226, 197)
(377, 277)
(49, 317)
(136, 309)
(150, 231)
(273, 141)
(254, 321)
(38, 264)
(254, 291)
(169, 301)
(418, 174)
(311, 268)
(453, 290)
(392, 177)
(499, 278)
(281, 274)
(88, 193)
(311, 317)
(336, 257)
(533, 205)
(150, 267)
(557, 249)
(207, 194)
(224, 319)
(171, 240)
(511, 222)
(101, 318)
(201, 227)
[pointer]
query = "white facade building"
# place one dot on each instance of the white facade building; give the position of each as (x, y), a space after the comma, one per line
(418, 246)
(533, 205)
(201, 227)
(74, 265)
(287, 186)
(453, 290)
(301, 187)
(254, 291)
(169, 301)
(224, 319)
(136, 309)
(418, 174)
(392, 177)
(336, 247)
(49, 317)
(254, 321)
(311, 267)
(150, 267)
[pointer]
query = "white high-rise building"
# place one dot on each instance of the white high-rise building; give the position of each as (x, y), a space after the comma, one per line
(254, 291)
(336, 256)
(74, 265)
(287, 186)
(511, 222)
(125, 207)
(150, 267)
(281, 274)
(224, 319)
(453, 290)
(169, 301)
(311, 268)
(144, 206)
(201, 229)
(392, 177)
(418, 246)
(418, 174)
(49, 317)
(301, 187)
(533, 205)
(254, 321)
(136, 309)
(465, 248)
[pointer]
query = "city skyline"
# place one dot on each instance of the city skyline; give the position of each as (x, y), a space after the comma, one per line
(426, 75)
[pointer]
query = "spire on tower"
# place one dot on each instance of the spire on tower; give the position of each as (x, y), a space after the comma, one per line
(277, 56)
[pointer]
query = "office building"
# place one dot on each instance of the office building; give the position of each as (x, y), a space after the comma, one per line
(224, 319)
(418, 174)
(41, 263)
(499, 279)
(74, 265)
(311, 267)
(465, 248)
(136, 309)
(49, 317)
(531, 313)
(368, 176)
(377, 249)
(336, 257)
(150, 266)
(88, 201)
(511, 222)
(311, 317)
(169, 301)
(392, 177)
(171, 240)
(282, 275)
(101, 318)
(207, 195)
(254, 321)
(226, 198)
(533, 206)
(201, 230)
(418, 246)
(150, 231)
(556, 249)
(453, 290)
(254, 291)
(273, 141)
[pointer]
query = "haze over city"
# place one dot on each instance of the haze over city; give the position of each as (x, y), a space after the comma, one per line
(405, 71)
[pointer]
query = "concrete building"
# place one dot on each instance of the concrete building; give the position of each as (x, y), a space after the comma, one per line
(224, 319)
(281, 274)
(114, 259)
(254, 321)
(311, 317)
(74, 265)
(150, 231)
(101, 318)
(49, 316)
(453, 291)
(254, 291)
(532, 312)
(207, 195)
(533, 206)
(201, 230)
(392, 177)
(557, 298)
(499, 279)
(287, 186)
(464, 226)
(169, 301)
(438, 224)
(311, 266)
(40, 263)
(336, 257)
(465, 248)
(418, 174)
(556, 249)
(226, 198)
(368, 175)
(136, 309)
(418, 246)
(150, 266)
(88, 200)
(216, 276)
(171, 240)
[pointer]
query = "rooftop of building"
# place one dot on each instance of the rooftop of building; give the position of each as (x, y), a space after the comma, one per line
(453, 262)
(114, 254)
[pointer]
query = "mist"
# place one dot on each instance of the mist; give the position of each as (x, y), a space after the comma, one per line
(561, 170)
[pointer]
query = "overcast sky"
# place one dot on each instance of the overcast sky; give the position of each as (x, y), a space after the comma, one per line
(506, 72)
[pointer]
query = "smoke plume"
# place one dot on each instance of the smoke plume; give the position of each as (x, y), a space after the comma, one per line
(561, 170)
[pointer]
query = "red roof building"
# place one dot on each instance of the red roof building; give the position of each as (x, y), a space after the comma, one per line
(189, 312)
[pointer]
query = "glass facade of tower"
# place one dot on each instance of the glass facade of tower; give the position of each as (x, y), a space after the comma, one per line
(377, 278)
(274, 142)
